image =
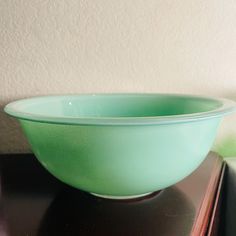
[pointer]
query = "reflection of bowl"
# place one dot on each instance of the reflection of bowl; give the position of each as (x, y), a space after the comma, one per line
(120, 145)
(76, 213)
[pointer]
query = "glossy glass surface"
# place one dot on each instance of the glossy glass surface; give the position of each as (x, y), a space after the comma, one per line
(120, 145)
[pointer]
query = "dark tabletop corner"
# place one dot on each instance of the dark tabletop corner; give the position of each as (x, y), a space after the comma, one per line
(35, 203)
(31, 175)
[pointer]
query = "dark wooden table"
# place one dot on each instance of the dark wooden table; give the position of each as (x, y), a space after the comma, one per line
(35, 203)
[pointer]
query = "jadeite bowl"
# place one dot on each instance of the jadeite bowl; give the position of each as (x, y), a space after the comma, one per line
(120, 145)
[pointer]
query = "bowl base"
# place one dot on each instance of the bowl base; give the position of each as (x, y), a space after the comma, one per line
(121, 197)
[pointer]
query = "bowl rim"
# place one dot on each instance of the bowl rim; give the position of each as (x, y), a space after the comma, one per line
(226, 107)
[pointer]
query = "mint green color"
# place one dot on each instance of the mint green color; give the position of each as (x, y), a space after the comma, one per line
(120, 144)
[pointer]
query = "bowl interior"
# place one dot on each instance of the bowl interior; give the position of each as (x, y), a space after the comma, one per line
(116, 105)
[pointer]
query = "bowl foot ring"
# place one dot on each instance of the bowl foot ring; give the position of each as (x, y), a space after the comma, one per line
(125, 197)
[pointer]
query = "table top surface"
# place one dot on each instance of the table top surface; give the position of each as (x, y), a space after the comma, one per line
(35, 203)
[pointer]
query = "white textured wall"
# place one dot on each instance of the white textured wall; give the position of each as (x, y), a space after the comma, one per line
(81, 46)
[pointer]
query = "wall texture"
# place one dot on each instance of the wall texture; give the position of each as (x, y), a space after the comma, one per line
(87, 46)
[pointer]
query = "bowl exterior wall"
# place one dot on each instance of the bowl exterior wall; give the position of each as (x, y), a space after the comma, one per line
(121, 160)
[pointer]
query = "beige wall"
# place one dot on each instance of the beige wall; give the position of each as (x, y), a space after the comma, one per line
(84, 46)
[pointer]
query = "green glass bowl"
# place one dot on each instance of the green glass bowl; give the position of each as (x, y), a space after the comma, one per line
(120, 145)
